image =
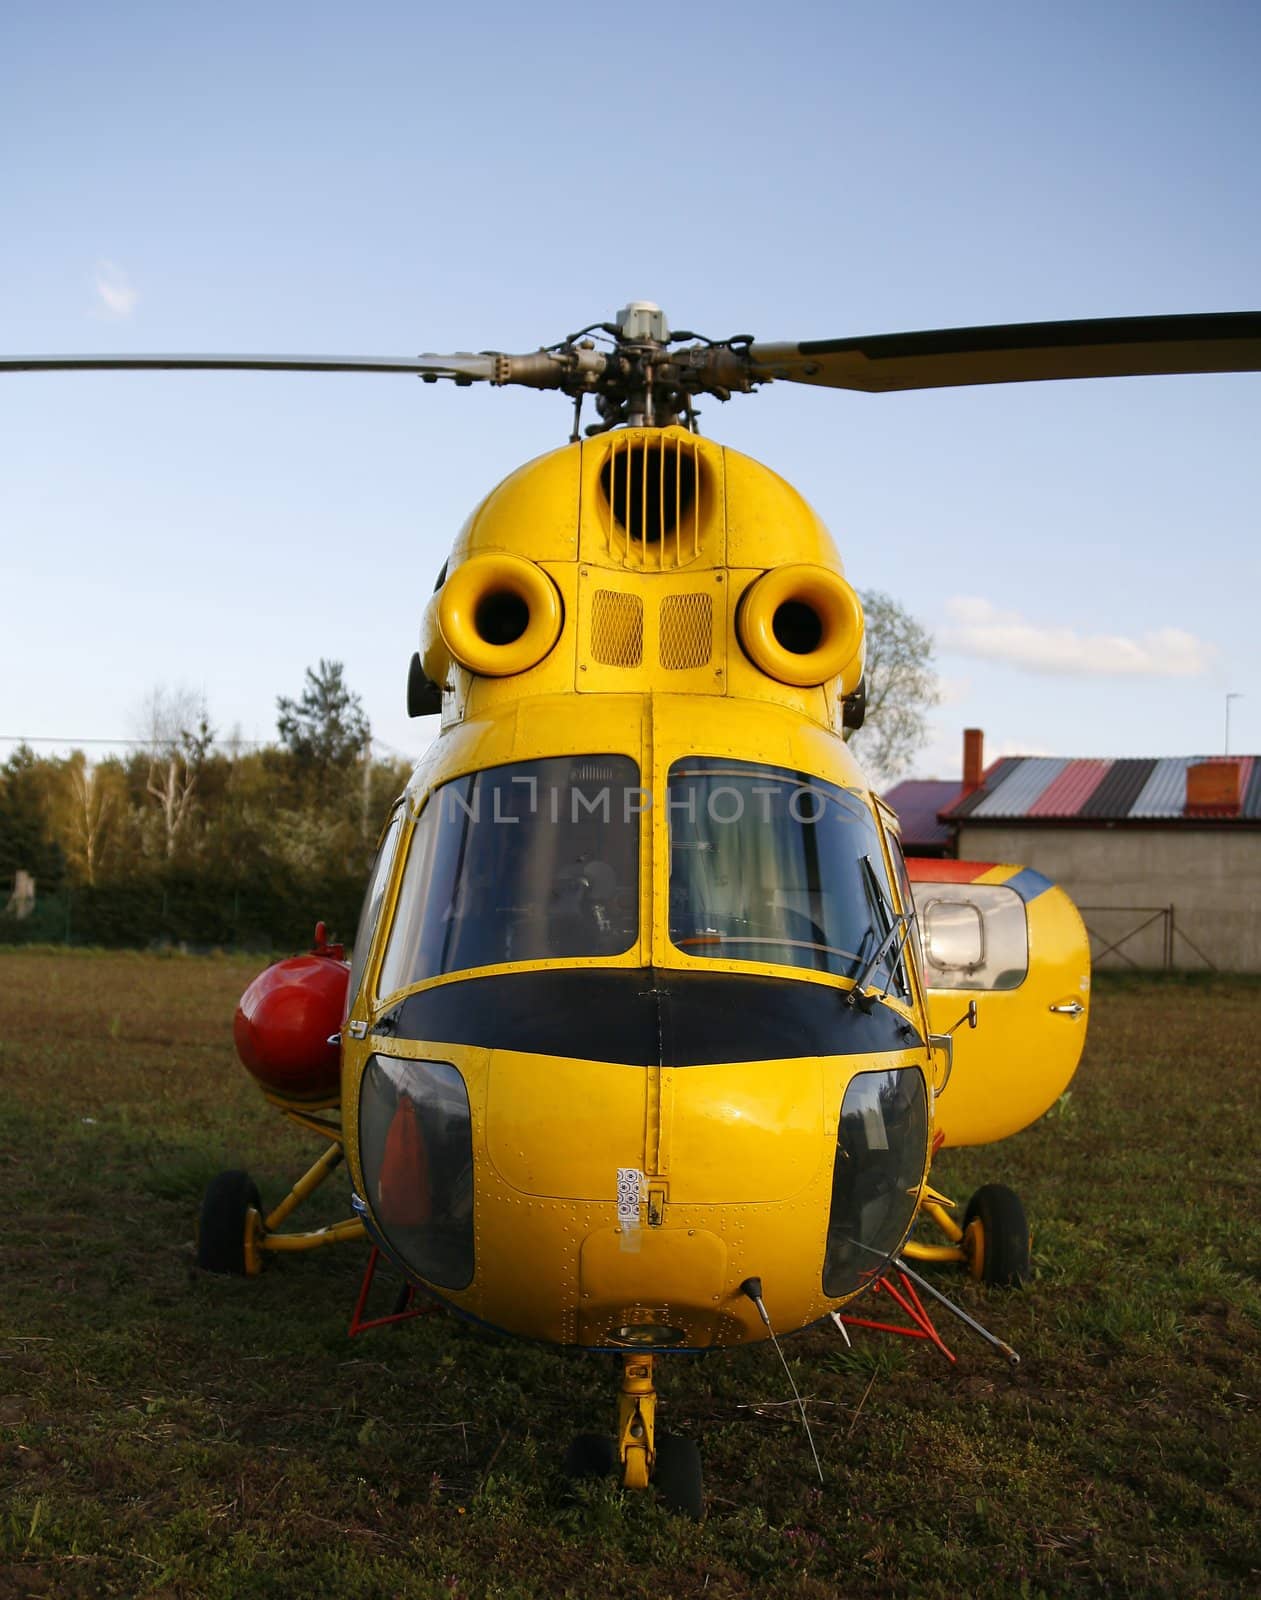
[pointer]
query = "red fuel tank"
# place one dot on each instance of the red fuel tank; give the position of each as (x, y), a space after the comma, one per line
(285, 1020)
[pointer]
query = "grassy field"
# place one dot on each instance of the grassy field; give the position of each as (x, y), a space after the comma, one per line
(167, 1434)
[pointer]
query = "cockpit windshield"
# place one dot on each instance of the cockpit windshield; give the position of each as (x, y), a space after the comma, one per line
(536, 861)
(771, 865)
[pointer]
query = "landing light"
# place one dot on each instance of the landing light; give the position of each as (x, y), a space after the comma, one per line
(646, 1334)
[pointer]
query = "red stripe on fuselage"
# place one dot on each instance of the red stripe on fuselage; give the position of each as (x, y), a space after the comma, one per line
(922, 870)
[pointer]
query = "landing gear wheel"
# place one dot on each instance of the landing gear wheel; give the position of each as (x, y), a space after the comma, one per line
(591, 1455)
(677, 1475)
(996, 1237)
(225, 1215)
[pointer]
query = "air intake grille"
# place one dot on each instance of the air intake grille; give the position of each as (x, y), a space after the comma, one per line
(617, 629)
(652, 490)
(687, 625)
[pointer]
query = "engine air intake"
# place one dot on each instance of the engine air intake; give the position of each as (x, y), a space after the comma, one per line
(498, 614)
(652, 488)
(803, 625)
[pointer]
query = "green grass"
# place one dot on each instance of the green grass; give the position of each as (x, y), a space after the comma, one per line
(165, 1435)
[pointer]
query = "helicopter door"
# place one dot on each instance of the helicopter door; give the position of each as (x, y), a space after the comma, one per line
(1013, 942)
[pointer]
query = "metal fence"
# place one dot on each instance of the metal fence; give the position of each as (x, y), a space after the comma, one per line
(1163, 922)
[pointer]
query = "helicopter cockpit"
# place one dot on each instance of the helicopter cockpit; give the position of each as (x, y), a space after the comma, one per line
(539, 861)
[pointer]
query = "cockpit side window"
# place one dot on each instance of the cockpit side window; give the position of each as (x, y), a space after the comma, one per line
(915, 944)
(536, 861)
(382, 870)
(776, 866)
(976, 935)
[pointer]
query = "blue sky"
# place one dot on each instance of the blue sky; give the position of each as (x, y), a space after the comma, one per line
(388, 178)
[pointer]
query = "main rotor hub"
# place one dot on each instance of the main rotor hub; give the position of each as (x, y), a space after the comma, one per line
(639, 380)
(643, 320)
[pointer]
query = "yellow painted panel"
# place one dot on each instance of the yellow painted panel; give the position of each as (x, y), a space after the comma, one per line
(544, 725)
(527, 1251)
(749, 1131)
(533, 511)
(672, 1275)
(768, 521)
(563, 1127)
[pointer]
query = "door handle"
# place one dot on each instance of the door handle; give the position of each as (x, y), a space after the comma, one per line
(1068, 1008)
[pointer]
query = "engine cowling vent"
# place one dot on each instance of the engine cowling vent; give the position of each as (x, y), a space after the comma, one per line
(617, 629)
(687, 630)
(652, 490)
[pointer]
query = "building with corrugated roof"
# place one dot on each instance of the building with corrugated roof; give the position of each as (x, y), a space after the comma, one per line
(921, 803)
(918, 803)
(1162, 855)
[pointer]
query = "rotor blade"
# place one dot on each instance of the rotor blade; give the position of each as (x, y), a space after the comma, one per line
(463, 368)
(1020, 352)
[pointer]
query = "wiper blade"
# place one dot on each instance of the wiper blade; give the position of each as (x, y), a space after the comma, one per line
(897, 926)
(906, 918)
(875, 891)
(880, 919)
(863, 977)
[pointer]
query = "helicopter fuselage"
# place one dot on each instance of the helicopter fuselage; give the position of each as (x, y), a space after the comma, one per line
(634, 1016)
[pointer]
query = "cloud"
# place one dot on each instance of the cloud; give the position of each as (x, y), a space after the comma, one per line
(978, 628)
(115, 294)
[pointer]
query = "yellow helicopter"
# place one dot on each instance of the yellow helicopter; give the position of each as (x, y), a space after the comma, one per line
(649, 1036)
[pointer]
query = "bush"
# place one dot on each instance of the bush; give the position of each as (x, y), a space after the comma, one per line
(201, 910)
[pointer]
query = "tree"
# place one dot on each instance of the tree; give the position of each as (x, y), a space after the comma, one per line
(901, 687)
(87, 809)
(26, 842)
(327, 726)
(175, 728)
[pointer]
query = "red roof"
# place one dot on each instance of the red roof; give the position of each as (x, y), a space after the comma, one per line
(1065, 795)
(1127, 790)
(917, 802)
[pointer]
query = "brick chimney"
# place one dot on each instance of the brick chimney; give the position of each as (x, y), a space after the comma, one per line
(1213, 789)
(973, 759)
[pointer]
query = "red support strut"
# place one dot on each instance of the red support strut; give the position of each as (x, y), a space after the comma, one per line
(410, 1309)
(909, 1301)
